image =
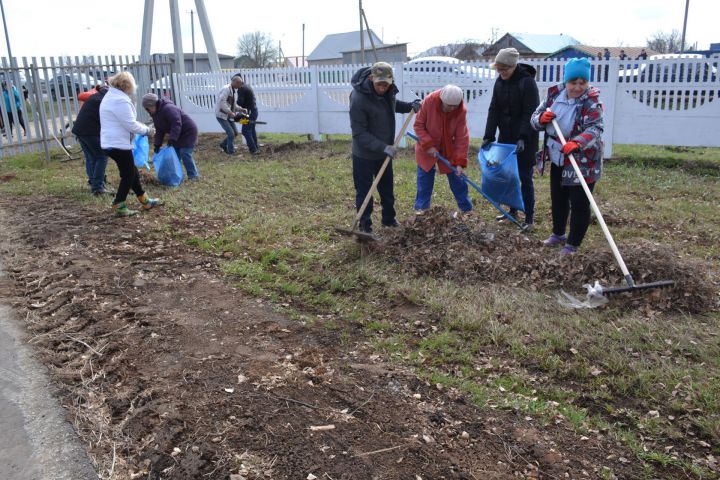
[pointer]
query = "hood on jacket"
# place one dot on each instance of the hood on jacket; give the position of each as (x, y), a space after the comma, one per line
(363, 84)
(522, 70)
(162, 102)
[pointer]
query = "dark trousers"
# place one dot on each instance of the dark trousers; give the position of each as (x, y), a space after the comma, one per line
(129, 175)
(569, 201)
(11, 121)
(527, 190)
(248, 131)
(364, 171)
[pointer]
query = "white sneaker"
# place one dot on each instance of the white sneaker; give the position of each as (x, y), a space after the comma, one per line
(420, 212)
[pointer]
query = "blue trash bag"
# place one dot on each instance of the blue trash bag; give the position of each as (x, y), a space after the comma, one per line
(141, 151)
(500, 177)
(167, 167)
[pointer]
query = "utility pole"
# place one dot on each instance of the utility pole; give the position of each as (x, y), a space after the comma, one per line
(7, 37)
(682, 42)
(192, 35)
(302, 59)
(362, 38)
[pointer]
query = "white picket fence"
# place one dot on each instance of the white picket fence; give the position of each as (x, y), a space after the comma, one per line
(659, 102)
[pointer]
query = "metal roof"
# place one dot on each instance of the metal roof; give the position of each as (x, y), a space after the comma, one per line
(332, 46)
(543, 43)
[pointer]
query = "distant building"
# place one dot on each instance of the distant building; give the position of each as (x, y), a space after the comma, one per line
(386, 53)
(201, 61)
(530, 45)
(330, 50)
(586, 51)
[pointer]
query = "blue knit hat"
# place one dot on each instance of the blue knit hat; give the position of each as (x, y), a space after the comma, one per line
(577, 68)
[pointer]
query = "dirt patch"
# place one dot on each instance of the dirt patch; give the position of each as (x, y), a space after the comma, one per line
(469, 250)
(169, 372)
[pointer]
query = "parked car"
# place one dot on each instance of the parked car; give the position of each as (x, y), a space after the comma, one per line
(69, 84)
(692, 70)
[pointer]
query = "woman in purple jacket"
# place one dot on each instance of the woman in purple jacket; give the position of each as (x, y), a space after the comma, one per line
(181, 130)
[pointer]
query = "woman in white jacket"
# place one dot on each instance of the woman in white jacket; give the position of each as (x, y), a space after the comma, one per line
(118, 125)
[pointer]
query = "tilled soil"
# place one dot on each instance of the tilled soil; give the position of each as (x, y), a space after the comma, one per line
(167, 371)
(468, 250)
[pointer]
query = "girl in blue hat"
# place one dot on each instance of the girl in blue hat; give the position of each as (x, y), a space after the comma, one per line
(577, 109)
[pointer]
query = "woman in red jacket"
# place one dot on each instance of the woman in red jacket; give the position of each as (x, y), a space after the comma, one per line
(441, 127)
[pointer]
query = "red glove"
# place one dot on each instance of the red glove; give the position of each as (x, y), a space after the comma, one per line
(546, 117)
(570, 147)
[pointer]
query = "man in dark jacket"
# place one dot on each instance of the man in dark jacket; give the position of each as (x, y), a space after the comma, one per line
(87, 131)
(372, 120)
(246, 100)
(181, 130)
(515, 98)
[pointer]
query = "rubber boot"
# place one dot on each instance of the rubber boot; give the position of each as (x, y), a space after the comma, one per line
(147, 202)
(121, 210)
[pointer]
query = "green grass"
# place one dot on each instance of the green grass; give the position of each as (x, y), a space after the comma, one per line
(504, 347)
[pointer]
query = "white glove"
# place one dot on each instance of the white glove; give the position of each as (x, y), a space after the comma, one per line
(151, 131)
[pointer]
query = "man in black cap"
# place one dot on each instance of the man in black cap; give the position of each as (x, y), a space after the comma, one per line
(372, 120)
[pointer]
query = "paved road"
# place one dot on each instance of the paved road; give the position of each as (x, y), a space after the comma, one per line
(36, 442)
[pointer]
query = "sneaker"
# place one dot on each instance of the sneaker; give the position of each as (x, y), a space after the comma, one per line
(121, 210)
(528, 227)
(365, 228)
(555, 240)
(391, 224)
(419, 213)
(568, 250)
(502, 218)
(148, 203)
(102, 191)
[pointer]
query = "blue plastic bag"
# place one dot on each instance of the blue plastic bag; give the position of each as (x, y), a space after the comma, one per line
(500, 177)
(167, 167)
(141, 151)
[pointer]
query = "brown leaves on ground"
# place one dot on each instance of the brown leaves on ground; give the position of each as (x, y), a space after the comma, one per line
(468, 250)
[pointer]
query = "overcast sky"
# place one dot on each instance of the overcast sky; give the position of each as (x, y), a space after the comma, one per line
(73, 27)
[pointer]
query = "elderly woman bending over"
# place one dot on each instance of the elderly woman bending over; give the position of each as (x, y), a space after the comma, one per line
(118, 124)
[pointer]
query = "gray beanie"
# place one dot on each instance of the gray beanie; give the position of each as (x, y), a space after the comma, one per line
(507, 56)
(149, 100)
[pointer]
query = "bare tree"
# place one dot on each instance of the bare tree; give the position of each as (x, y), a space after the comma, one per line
(664, 42)
(463, 50)
(256, 50)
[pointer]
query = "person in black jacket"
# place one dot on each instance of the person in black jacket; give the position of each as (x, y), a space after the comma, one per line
(246, 100)
(372, 120)
(515, 98)
(87, 131)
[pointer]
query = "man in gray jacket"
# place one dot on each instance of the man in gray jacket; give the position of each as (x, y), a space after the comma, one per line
(225, 109)
(372, 119)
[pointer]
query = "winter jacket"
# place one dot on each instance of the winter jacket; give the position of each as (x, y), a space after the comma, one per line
(83, 96)
(587, 133)
(225, 104)
(446, 131)
(169, 119)
(18, 101)
(87, 123)
(118, 122)
(372, 117)
(246, 97)
(513, 102)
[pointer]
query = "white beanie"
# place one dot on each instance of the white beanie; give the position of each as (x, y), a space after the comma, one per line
(451, 95)
(507, 56)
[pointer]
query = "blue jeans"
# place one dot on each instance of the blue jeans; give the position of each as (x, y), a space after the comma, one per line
(426, 182)
(231, 130)
(95, 162)
(248, 131)
(364, 171)
(185, 155)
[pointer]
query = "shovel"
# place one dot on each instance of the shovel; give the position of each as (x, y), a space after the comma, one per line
(467, 180)
(354, 231)
(598, 290)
